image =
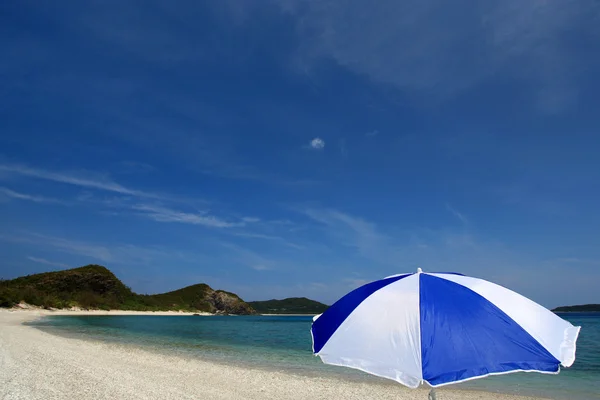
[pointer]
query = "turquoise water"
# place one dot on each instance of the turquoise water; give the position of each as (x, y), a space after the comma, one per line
(284, 343)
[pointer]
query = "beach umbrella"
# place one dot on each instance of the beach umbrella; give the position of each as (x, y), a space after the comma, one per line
(439, 329)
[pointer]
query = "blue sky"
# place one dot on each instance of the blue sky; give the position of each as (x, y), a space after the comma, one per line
(299, 148)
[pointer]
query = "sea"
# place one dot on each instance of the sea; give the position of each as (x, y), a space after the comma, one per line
(283, 343)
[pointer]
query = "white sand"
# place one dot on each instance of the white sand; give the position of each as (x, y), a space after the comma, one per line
(39, 365)
(116, 312)
(39, 311)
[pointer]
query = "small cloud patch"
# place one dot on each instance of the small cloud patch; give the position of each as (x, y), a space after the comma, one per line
(317, 144)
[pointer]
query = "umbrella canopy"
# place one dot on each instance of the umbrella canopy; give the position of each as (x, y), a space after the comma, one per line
(441, 328)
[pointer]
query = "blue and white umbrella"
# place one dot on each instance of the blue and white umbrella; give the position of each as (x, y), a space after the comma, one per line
(441, 328)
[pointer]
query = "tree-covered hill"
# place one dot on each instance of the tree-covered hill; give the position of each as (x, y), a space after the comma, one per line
(96, 287)
(579, 308)
(203, 298)
(292, 305)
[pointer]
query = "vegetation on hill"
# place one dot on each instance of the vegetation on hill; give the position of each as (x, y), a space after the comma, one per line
(293, 305)
(200, 297)
(579, 308)
(95, 287)
(92, 286)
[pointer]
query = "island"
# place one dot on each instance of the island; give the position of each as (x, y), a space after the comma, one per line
(94, 287)
(292, 305)
(578, 308)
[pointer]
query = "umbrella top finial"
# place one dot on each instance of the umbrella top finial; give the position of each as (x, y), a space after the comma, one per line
(419, 270)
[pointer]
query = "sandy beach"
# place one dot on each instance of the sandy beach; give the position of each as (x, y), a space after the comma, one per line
(39, 365)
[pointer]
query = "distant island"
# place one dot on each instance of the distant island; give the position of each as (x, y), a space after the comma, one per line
(578, 308)
(96, 287)
(292, 305)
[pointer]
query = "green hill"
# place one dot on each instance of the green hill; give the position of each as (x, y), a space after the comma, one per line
(95, 287)
(203, 298)
(92, 286)
(579, 308)
(292, 305)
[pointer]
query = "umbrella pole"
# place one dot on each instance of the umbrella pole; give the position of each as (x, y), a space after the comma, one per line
(432, 394)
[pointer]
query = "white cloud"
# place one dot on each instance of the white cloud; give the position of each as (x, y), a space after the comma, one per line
(155, 212)
(44, 261)
(163, 214)
(372, 133)
(99, 183)
(317, 144)
(28, 197)
(260, 267)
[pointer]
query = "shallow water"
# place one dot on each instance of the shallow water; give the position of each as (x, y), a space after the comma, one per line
(284, 343)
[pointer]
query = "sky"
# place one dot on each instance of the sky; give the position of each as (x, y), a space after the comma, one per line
(296, 148)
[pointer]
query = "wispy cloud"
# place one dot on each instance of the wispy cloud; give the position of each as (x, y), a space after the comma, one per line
(441, 250)
(457, 214)
(163, 214)
(248, 258)
(530, 196)
(352, 231)
(124, 199)
(372, 133)
(355, 282)
(76, 180)
(44, 261)
(445, 52)
(122, 254)
(28, 197)
(96, 252)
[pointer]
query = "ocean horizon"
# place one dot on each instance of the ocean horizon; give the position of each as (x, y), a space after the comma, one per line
(283, 343)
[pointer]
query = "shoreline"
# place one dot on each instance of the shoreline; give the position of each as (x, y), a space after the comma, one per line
(65, 311)
(44, 312)
(39, 365)
(26, 308)
(287, 315)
